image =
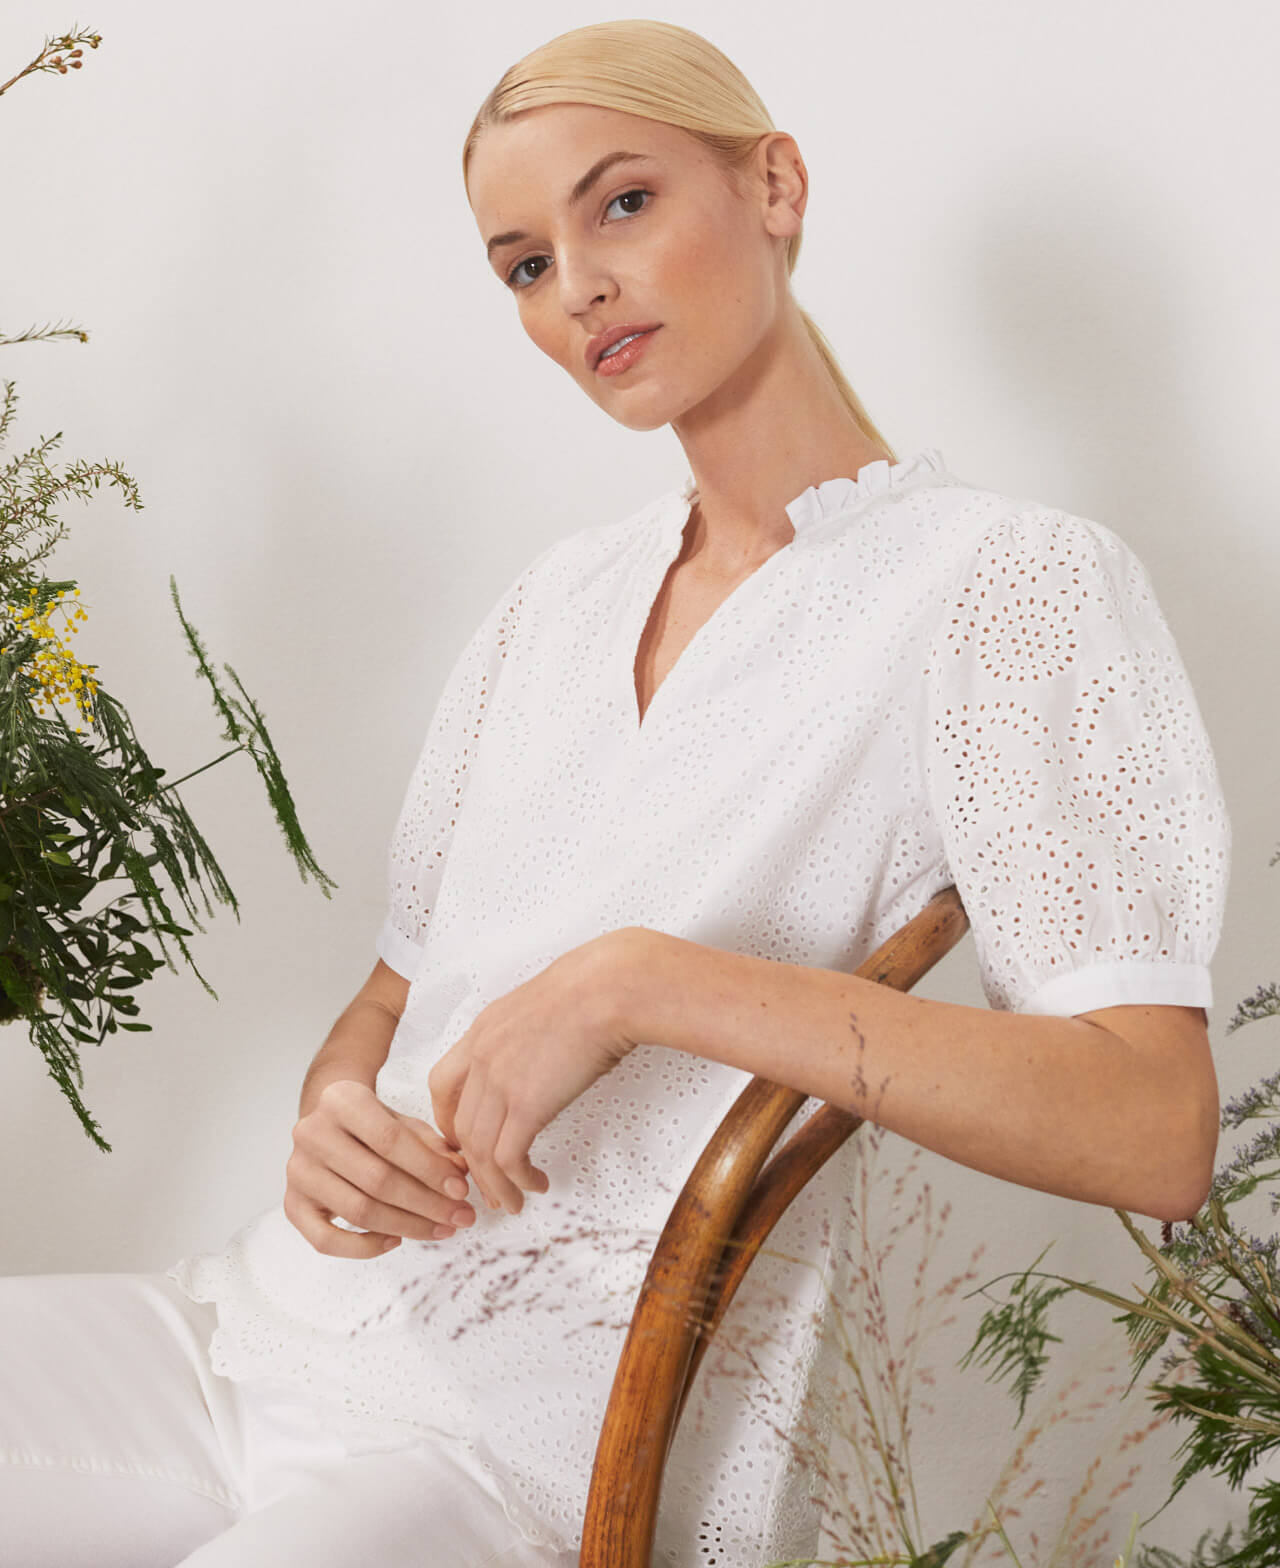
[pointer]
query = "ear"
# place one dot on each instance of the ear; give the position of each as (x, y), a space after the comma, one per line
(784, 183)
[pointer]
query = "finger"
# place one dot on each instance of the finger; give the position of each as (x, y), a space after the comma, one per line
(445, 1084)
(340, 1197)
(442, 1199)
(469, 1102)
(453, 1177)
(381, 1130)
(486, 1126)
(307, 1217)
(433, 1140)
(511, 1152)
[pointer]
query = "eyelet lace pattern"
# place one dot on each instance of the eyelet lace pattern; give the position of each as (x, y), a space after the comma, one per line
(932, 683)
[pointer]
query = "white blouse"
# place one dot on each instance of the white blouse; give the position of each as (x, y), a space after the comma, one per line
(930, 683)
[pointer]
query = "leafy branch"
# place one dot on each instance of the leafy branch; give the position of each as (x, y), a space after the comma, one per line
(103, 873)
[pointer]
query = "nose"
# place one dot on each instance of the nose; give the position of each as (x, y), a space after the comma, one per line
(584, 283)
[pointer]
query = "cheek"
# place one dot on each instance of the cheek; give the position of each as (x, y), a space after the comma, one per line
(703, 276)
(546, 334)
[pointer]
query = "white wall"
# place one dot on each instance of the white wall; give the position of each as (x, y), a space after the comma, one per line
(1041, 239)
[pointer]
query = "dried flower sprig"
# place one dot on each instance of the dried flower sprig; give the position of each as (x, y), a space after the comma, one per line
(869, 1412)
(60, 55)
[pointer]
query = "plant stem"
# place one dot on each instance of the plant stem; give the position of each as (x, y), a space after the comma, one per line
(1000, 1530)
(207, 765)
(27, 800)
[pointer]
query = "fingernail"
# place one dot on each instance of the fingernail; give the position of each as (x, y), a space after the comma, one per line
(456, 1187)
(462, 1216)
(441, 1231)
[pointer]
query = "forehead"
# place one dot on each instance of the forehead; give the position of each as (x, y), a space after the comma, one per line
(533, 161)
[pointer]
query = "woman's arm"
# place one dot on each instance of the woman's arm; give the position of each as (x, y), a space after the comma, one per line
(358, 1160)
(359, 1041)
(1118, 1106)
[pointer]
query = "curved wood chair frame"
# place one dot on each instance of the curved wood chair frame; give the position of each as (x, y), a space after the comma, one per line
(693, 1272)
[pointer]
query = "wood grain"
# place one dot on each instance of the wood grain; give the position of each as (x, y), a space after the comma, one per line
(735, 1191)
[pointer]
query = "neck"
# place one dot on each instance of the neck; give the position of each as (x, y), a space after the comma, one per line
(777, 426)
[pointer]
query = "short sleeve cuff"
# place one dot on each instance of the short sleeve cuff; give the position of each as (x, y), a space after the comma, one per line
(396, 949)
(1121, 983)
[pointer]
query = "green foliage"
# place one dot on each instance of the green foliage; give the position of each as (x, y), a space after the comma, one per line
(1256, 1548)
(103, 873)
(1208, 1553)
(1211, 1303)
(246, 726)
(942, 1550)
(89, 836)
(1014, 1335)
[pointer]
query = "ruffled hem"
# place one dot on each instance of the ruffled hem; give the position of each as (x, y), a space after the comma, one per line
(204, 1279)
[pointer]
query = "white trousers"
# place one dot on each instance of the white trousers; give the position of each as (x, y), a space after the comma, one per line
(121, 1448)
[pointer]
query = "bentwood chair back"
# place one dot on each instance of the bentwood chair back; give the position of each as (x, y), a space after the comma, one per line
(693, 1272)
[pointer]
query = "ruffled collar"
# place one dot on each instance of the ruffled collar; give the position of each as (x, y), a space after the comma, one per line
(832, 497)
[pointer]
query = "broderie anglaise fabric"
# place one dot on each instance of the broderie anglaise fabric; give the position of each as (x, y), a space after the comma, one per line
(931, 683)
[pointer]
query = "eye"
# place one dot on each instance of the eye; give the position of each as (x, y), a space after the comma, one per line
(623, 196)
(528, 260)
(511, 276)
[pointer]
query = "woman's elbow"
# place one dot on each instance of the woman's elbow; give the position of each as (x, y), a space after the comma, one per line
(1181, 1168)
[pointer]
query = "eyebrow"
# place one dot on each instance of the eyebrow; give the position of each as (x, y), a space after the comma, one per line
(575, 195)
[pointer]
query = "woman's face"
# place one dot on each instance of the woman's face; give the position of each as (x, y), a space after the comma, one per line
(659, 241)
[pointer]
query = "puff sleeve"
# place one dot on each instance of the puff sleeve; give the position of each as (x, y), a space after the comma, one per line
(1071, 776)
(437, 786)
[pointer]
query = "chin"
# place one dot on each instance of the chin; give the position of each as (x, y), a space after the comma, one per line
(650, 412)
(640, 421)
(638, 416)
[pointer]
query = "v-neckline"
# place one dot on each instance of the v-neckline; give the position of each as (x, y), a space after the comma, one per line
(639, 722)
(830, 500)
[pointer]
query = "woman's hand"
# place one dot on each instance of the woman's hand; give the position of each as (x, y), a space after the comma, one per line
(525, 1057)
(356, 1158)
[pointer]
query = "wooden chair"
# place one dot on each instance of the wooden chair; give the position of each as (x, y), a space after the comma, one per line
(693, 1273)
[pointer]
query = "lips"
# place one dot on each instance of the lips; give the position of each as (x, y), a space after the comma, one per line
(611, 335)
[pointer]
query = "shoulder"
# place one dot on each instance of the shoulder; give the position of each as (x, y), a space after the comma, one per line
(948, 534)
(1007, 547)
(1033, 591)
(982, 517)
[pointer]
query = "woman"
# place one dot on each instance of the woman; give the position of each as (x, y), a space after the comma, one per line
(690, 770)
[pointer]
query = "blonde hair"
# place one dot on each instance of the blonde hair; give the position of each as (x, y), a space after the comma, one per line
(666, 73)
